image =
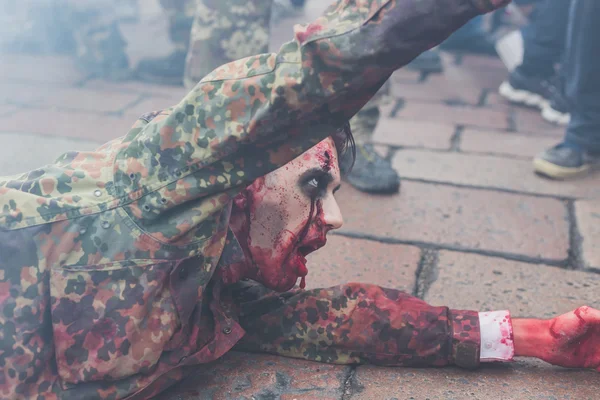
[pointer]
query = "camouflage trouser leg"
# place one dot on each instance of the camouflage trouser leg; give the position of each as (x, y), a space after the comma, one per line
(100, 46)
(364, 122)
(224, 31)
(181, 15)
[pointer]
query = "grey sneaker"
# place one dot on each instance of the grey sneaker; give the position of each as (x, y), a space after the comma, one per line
(564, 162)
(370, 173)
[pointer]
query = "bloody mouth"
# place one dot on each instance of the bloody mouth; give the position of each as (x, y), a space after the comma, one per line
(302, 252)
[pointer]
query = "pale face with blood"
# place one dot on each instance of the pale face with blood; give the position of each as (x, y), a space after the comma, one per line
(286, 215)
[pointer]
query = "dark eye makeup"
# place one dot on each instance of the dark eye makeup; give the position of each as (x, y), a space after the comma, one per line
(314, 182)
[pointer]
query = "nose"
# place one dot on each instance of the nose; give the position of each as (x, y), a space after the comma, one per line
(332, 213)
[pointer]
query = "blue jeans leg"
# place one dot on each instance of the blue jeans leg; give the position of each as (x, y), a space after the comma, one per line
(582, 73)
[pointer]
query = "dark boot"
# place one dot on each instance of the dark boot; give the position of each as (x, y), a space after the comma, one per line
(165, 71)
(370, 173)
(564, 162)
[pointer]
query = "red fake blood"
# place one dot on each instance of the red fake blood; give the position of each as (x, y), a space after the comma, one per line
(324, 156)
(304, 35)
(301, 269)
(561, 341)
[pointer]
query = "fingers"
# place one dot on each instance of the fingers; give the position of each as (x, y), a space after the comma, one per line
(588, 314)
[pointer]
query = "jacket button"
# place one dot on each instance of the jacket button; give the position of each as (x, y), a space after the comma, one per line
(97, 192)
(227, 330)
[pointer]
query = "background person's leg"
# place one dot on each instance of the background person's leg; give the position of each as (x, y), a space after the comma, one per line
(169, 70)
(223, 31)
(544, 37)
(100, 46)
(229, 30)
(471, 38)
(535, 83)
(582, 70)
(370, 173)
(580, 151)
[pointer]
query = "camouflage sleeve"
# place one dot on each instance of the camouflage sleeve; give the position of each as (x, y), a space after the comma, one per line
(251, 116)
(357, 323)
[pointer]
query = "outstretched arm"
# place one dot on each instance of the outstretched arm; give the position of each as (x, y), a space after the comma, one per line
(251, 116)
(359, 323)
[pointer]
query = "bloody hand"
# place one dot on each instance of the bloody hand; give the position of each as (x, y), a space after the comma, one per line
(570, 340)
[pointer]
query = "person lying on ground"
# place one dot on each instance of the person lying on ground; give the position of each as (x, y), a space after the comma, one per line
(122, 268)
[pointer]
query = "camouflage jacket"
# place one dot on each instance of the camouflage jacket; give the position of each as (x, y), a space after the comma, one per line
(107, 257)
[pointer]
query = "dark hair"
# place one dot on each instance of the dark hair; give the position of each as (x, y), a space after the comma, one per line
(346, 148)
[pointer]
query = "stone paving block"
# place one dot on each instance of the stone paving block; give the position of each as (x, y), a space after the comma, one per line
(441, 113)
(99, 128)
(588, 222)
(8, 109)
(26, 68)
(461, 218)
(473, 61)
(470, 76)
(522, 380)
(171, 92)
(489, 172)
(89, 100)
(23, 152)
(257, 376)
(495, 101)
(346, 260)
(503, 143)
(382, 150)
(484, 77)
(436, 89)
(405, 132)
(405, 75)
(530, 120)
(21, 94)
(477, 282)
(454, 86)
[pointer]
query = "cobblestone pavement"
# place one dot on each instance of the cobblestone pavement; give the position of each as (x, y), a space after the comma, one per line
(473, 227)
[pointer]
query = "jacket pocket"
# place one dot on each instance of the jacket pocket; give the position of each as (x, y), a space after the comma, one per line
(111, 321)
